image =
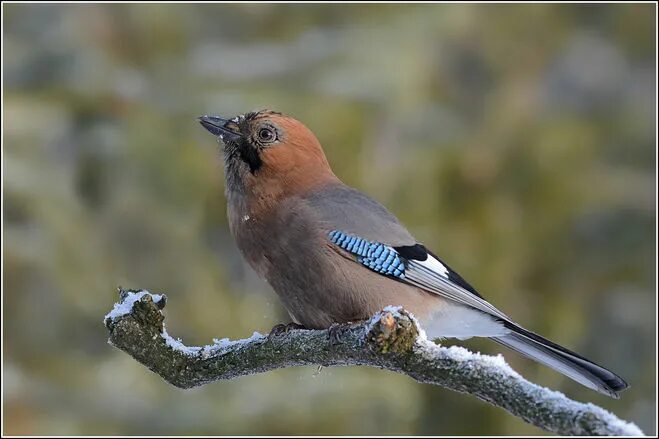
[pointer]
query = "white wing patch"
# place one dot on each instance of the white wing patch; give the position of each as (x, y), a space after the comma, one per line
(434, 265)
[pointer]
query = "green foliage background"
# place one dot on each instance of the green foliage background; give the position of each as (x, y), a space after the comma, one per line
(517, 141)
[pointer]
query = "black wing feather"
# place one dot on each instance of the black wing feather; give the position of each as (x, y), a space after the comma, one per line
(418, 252)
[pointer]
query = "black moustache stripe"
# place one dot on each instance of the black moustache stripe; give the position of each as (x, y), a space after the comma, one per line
(250, 155)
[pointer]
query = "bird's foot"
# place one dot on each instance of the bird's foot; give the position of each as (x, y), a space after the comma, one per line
(284, 328)
(334, 333)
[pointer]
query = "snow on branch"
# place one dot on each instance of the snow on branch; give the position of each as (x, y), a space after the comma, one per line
(391, 340)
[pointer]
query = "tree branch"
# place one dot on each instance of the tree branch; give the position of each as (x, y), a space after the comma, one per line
(391, 340)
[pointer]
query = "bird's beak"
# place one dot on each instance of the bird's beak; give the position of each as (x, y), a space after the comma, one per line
(219, 127)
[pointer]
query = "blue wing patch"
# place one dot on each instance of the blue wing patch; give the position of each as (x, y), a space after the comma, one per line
(374, 255)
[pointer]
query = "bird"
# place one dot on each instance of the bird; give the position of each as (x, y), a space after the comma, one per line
(334, 255)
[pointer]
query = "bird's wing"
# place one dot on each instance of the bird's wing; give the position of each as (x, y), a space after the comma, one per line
(413, 265)
(374, 237)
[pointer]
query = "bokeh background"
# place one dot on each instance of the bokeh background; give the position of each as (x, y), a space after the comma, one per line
(518, 141)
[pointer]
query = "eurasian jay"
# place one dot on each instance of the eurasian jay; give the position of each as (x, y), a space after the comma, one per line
(334, 255)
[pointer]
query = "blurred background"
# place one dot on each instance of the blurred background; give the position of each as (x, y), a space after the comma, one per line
(517, 141)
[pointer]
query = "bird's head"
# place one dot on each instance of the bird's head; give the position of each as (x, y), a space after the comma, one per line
(266, 152)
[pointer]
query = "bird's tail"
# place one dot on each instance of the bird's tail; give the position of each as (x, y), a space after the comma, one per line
(562, 360)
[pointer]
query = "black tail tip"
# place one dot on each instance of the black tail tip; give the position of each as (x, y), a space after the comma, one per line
(615, 386)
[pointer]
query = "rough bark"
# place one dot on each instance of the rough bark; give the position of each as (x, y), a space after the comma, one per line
(391, 340)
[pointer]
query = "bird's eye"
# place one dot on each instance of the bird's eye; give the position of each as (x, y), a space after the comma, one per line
(266, 135)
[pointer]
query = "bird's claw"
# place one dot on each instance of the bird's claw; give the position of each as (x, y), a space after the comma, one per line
(336, 330)
(284, 328)
(334, 333)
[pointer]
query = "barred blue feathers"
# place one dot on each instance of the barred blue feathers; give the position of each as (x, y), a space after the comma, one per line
(374, 255)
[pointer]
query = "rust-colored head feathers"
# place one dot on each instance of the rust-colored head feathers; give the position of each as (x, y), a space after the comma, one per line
(269, 155)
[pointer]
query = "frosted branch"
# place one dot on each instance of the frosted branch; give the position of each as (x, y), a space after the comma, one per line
(391, 340)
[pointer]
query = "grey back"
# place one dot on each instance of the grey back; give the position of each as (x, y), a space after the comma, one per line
(340, 207)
